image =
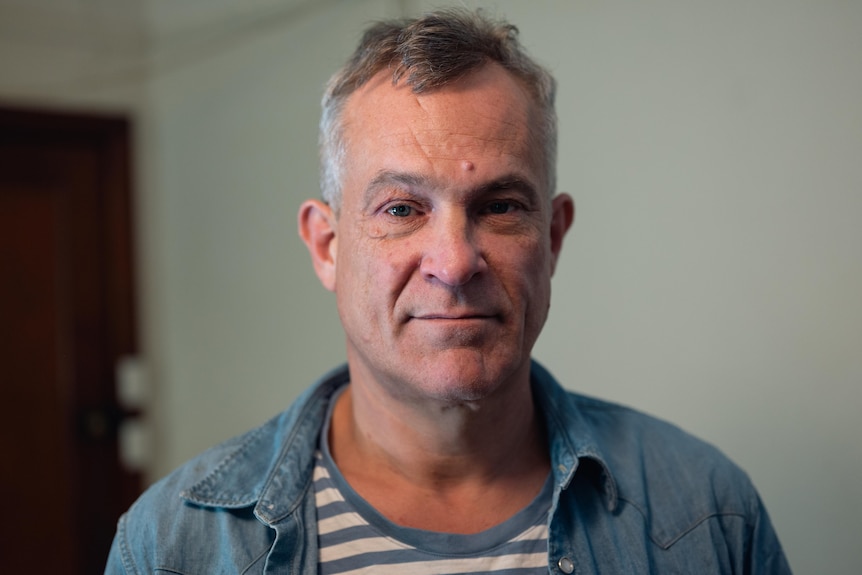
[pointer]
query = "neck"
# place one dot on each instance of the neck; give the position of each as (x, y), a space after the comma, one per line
(452, 453)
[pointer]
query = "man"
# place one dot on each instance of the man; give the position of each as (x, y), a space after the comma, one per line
(441, 448)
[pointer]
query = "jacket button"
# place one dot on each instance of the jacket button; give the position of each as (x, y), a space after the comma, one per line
(565, 564)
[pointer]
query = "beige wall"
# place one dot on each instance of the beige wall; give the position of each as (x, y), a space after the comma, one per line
(712, 277)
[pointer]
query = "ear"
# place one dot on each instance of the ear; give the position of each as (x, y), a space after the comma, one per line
(317, 228)
(562, 216)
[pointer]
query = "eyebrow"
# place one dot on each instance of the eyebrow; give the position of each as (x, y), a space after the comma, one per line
(391, 178)
(508, 182)
(408, 180)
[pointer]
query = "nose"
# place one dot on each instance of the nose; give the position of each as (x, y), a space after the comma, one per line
(451, 254)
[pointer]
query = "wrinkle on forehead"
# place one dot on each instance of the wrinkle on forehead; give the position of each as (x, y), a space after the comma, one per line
(445, 145)
(439, 134)
(485, 116)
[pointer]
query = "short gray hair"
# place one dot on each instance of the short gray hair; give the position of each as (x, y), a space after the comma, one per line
(429, 52)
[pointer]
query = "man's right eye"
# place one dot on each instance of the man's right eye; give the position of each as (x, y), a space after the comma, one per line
(399, 211)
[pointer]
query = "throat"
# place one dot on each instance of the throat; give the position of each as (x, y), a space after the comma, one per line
(462, 487)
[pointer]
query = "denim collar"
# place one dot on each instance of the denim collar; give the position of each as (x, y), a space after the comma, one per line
(271, 467)
(274, 475)
(571, 437)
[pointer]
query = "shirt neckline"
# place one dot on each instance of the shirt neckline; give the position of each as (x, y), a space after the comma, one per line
(435, 542)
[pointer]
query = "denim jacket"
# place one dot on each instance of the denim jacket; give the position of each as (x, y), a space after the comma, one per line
(632, 495)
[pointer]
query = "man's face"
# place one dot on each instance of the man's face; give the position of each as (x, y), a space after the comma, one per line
(444, 244)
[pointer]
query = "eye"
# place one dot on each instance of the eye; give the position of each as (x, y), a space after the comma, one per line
(399, 211)
(500, 207)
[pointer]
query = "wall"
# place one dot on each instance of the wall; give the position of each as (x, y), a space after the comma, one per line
(714, 271)
(84, 55)
(711, 278)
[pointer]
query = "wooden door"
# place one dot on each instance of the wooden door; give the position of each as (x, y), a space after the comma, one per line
(66, 316)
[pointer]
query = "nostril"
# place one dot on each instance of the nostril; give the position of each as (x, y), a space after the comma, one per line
(453, 266)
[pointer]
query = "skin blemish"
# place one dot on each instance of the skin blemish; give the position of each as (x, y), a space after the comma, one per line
(468, 166)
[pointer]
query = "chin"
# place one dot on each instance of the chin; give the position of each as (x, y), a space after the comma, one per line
(459, 376)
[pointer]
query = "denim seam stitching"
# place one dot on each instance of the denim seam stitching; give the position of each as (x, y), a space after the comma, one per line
(694, 524)
(125, 551)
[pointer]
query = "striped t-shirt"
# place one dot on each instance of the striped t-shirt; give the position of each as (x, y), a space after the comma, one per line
(355, 539)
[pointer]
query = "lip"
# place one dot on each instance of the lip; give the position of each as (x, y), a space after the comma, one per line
(454, 317)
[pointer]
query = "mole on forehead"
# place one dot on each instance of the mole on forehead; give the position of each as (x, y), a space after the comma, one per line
(468, 166)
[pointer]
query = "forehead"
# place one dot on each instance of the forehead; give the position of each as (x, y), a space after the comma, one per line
(485, 118)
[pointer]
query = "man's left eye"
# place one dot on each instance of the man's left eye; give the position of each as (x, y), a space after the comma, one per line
(500, 207)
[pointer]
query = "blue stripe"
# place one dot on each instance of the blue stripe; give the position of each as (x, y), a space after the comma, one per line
(333, 509)
(346, 535)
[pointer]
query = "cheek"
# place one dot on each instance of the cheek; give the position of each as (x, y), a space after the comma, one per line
(527, 258)
(372, 272)
(524, 270)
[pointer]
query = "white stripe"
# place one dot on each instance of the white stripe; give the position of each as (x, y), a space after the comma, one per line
(320, 472)
(534, 533)
(328, 495)
(358, 547)
(339, 522)
(472, 564)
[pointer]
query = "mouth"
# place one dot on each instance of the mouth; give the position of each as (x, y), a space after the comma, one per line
(454, 316)
(461, 329)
